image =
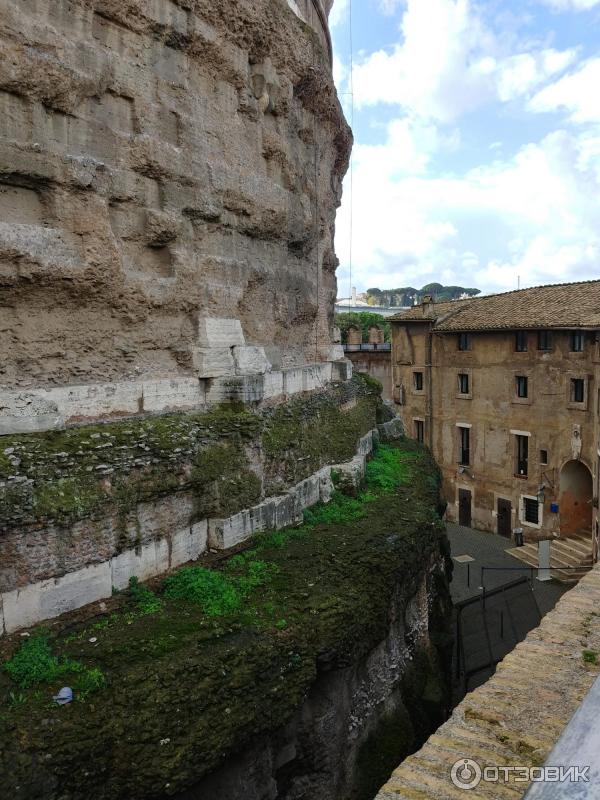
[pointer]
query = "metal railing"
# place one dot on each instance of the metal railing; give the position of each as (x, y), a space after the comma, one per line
(385, 347)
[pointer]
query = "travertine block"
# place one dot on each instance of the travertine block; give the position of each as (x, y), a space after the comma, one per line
(48, 599)
(213, 362)
(218, 332)
(250, 360)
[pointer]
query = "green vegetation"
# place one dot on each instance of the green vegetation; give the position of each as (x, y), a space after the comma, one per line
(408, 295)
(144, 598)
(34, 663)
(233, 649)
(217, 593)
(362, 320)
(72, 474)
(590, 656)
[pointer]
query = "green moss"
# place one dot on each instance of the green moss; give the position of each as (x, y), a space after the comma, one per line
(172, 674)
(590, 656)
(71, 474)
(66, 497)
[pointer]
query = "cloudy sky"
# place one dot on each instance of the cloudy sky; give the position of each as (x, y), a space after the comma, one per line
(477, 155)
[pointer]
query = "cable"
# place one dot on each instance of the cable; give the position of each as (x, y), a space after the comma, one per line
(351, 86)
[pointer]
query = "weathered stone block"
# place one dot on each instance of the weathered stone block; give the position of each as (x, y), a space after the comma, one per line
(99, 400)
(351, 475)
(326, 487)
(249, 360)
(48, 599)
(392, 430)
(272, 385)
(242, 389)
(341, 370)
(218, 332)
(213, 362)
(189, 544)
(173, 394)
(293, 381)
(28, 412)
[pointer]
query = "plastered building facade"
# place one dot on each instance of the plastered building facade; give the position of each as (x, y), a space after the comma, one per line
(504, 390)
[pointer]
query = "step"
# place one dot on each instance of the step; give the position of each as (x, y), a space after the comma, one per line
(577, 545)
(529, 555)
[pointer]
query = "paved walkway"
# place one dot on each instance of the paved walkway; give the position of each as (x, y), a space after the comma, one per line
(488, 550)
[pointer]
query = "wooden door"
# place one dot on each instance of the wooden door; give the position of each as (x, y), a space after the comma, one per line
(464, 507)
(504, 518)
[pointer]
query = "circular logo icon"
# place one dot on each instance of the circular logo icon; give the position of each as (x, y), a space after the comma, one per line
(466, 773)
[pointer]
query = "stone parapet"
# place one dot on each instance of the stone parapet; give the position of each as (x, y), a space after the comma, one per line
(516, 718)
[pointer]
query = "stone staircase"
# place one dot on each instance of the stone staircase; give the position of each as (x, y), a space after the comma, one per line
(570, 557)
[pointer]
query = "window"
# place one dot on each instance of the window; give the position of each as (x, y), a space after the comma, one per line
(464, 341)
(522, 386)
(419, 431)
(577, 341)
(464, 446)
(463, 383)
(543, 457)
(418, 376)
(531, 510)
(544, 340)
(521, 341)
(577, 390)
(522, 456)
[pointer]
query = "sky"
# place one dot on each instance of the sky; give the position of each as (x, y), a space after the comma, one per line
(477, 142)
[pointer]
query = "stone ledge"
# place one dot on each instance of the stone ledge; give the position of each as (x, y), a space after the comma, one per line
(29, 605)
(518, 715)
(39, 410)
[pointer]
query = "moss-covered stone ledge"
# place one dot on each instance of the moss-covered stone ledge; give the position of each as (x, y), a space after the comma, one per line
(326, 674)
(75, 499)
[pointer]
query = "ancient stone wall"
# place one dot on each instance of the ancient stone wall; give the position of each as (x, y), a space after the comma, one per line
(84, 509)
(162, 163)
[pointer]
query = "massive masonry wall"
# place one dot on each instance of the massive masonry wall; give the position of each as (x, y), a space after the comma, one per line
(162, 163)
(84, 509)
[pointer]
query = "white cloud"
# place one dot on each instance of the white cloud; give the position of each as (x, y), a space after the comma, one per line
(571, 5)
(577, 93)
(450, 63)
(338, 12)
(536, 215)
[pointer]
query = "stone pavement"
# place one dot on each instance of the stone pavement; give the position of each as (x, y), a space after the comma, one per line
(488, 550)
(516, 718)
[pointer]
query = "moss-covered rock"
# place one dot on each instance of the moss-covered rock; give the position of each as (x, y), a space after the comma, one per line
(63, 476)
(186, 692)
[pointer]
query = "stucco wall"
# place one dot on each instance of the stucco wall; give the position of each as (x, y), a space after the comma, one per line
(496, 414)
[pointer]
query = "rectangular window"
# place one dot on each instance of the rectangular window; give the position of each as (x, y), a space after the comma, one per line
(463, 383)
(577, 341)
(464, 341)
(544, 340)
(522, 386)
(522, 445)
(418, 381)
(521, 341)
(420, 431)
(543, 457)
(464, 446)
(531, 510)
(577, 390)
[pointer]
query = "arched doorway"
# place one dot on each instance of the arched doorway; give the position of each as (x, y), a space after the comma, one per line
(576, 495)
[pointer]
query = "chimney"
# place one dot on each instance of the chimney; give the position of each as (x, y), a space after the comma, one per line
(427, 304)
